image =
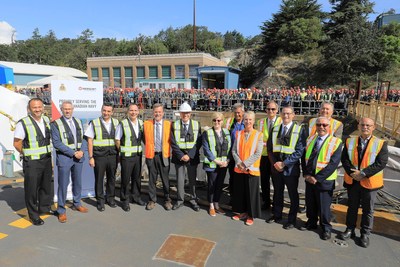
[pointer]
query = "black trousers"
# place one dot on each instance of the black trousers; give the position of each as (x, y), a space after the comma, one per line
(359, 195)
(231, 169)
(279, 181)
(38, 186)
(265, 170)
(246, 195)
(105, 165)
(319, 205)
(216, 180)
(131, 172)
(156, 167)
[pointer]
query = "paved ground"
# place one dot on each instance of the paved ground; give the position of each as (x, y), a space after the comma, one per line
(172, 238)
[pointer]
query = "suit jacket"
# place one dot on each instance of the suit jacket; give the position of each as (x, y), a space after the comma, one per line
(65, 155)
(292, 161)
(193, 153)
(323, 174)
(379, 164)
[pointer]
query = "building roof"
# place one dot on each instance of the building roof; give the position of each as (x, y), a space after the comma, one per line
(37, 69)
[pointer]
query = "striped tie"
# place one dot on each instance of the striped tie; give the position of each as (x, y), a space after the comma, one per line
(158, 137)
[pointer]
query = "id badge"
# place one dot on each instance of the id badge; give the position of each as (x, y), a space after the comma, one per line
(183, 140)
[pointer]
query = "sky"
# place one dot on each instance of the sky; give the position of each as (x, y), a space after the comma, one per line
(126, 19)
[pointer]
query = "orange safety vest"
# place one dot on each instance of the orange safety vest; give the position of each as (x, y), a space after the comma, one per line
(247, 148)
(333, 126)
(150, 142)
(371, 151)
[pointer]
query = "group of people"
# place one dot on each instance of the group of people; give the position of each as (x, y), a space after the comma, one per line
(251, 152)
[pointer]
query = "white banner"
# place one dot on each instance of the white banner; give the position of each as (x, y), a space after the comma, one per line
(87, 98)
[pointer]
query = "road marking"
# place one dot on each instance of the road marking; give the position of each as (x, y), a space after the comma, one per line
(24, 222)
(11, 181)
(2, 235)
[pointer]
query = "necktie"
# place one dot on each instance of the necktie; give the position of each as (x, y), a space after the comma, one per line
(185, 128)
(284, 132)
(271, 124)
(73, 130)
(158, 137)
(314, 153)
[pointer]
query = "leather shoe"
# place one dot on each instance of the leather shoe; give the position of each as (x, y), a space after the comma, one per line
(81, 209)
(37, 222)
(100, 207)
(288, 226)
(364, 241)
(62, 218)
(308, 227)
(167, 205)
(177, 206)
(326, 235)
(273, 219)
(126, 207)
(348, 233)
(112, 203)
(150, 205)
(140, 202)
(195, 207)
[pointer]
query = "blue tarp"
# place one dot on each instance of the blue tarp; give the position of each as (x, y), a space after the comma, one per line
(6, 75)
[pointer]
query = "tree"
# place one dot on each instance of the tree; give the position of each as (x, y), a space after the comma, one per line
(233, 40)
(295, 21)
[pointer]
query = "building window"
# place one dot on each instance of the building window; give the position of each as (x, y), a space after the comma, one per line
(106, 77)
(180, 72)
(166, 72)
(152, 85)
(140, 72)
(193, 71)
(181, 86)
(95, 74)
(153, 73)
(161, 86)
(128, 77)
(117, 77)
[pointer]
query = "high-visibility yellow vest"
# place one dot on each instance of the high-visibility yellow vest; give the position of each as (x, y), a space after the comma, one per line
(181, 142)
(277, 147)
(212, 143)
(62, 128)
(33, 147)
(371, 151)
(333, 126)
(263, 127)
(325, 152)
(128, 148)
(104, 142)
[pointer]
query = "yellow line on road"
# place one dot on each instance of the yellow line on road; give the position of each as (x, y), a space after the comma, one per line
(11, 181)
(24, 222)
(2, 235)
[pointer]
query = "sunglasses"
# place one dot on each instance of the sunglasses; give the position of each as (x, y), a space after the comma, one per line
(271, 109)
(366, 125)
(322, 124)
(215, 120)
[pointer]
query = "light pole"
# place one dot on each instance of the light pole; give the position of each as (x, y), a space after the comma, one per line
(194, 25)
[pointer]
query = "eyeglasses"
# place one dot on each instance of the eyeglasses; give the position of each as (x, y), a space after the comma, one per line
(215, 120)
(322, 124)
(287, 113)
(271, 109)
(366, 125)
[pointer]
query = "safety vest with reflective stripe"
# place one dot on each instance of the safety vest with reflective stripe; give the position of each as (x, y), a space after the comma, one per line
(212, 144)
(228, 123)
(181, 142)
(333, 126)
(66, 136)
(325, 152)
(263, 127)
(104, 142)
(129, 144)
(247, 148)
(150, 142)
(371, 151)
(34, 147)
(291, 148)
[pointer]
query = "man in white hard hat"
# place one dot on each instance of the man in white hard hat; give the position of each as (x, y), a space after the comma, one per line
(185, 143)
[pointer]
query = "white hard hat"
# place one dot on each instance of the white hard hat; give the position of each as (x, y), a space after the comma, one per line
(185, 107)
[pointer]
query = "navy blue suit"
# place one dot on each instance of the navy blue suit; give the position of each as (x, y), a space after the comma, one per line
(319, 195)
(68, 165)
(289, 176)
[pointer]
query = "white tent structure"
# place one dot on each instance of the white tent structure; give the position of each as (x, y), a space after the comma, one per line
(47, 80)
(13, 107)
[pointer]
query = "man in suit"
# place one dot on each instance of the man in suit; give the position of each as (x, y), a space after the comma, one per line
(103, 155)
(157, 133)
(185, 143)
(363, 159)
(320, 162)
(265, 126)
(32, 141)
(67, 135)
(128, 139)
(285, 149)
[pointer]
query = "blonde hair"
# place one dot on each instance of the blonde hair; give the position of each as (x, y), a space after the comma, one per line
(216, 115)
